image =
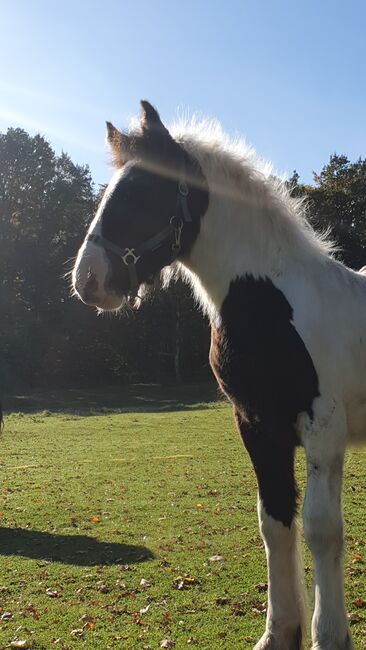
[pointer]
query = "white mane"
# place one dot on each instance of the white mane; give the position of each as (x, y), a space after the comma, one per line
(252, 225)
(243, 175)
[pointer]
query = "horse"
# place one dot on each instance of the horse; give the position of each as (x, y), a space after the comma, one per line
(288, 324)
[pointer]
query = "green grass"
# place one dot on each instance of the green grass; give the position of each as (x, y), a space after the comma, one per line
(103, 490)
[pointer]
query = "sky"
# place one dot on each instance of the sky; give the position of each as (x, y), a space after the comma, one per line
(289, 76)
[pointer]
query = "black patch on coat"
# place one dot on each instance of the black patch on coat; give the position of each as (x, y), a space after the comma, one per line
(263, 366)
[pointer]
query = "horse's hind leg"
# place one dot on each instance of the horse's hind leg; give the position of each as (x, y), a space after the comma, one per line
(274, 466)
(323, 528)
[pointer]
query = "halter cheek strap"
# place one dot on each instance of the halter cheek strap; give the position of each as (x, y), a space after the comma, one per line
(130, 256)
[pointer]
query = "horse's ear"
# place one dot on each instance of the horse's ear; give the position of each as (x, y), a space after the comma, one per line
(117, 143)
(150, 119)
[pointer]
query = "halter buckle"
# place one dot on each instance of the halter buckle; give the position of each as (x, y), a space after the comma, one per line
(130, 256)
(177, 224)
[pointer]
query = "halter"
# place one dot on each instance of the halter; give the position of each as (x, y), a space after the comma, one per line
(130, 256)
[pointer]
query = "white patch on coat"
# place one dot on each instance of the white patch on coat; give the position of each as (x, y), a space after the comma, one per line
(92, 259)
(286, 611)
(324, 441)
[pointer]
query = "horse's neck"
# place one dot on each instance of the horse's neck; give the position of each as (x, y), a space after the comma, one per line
(239, 237)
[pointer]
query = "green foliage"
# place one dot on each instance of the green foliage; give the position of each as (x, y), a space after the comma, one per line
(45, 204)
(337, 202)
(94, 500)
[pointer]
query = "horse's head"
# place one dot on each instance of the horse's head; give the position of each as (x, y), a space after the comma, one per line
(148, 217)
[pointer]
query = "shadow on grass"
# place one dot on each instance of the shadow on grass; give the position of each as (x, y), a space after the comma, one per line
(144, 398)
(69, 549)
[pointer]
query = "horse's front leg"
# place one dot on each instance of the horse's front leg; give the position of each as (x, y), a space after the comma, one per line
(273, 462)
(286, 599)
(323, 528)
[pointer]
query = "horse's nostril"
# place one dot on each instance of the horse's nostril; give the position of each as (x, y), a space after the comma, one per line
(91, 288)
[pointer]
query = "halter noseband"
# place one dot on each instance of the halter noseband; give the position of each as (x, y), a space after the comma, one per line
(130, 256)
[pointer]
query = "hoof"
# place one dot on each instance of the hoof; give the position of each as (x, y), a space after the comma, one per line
(280, 641)
(347, 644)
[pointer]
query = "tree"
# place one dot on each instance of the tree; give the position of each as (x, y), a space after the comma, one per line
(337, 202)
(45, 202)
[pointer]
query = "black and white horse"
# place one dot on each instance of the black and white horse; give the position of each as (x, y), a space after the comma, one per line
(288, 333)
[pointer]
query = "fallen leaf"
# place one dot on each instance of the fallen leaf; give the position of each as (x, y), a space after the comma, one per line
(77, 632)
(145, 583)
(52, 593)
(20, 643)
(166, 618)
(136, 619)
(33, 612)
(85, 618)
(357, 558)
(183, 582)
(89, 626)
(144, 610)
(359, 602)
(216, 558)
(120, 583)
(222, 601)
(166, 643)
(94, 520)
(260, 608)
(237, 608)
(6, 616)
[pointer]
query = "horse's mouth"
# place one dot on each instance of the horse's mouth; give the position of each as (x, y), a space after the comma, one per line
(106, 302)
(112, 303)
(114, 298)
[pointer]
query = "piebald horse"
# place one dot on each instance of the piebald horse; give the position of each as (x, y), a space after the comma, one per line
(288, 333)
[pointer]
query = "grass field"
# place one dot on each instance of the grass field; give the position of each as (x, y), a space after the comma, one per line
(113, 508)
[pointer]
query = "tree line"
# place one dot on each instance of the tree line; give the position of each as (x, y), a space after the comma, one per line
(47, 338)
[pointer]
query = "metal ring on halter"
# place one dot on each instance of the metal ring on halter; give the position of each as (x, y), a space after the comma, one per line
(176, 222)
(183, 188)
(130, 253)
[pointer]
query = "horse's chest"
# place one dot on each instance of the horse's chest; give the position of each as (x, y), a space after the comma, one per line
(258, 357)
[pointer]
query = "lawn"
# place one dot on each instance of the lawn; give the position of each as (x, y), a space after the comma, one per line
(128, 518)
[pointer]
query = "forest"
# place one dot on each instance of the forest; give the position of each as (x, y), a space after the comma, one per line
(49, 339)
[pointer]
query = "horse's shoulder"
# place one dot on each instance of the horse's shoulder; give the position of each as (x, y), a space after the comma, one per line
(257, 355)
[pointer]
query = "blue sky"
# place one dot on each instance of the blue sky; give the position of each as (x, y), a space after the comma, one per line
(289, 76)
